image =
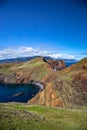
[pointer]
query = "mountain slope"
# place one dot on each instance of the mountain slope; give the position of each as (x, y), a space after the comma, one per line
(66, 88)
(25, 72)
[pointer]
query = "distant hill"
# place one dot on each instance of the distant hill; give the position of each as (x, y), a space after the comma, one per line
(19, 59)
(24, 59)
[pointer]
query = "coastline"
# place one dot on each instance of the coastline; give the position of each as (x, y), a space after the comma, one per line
(39, 85)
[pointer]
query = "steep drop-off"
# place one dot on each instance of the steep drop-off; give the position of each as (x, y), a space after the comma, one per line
(68, 85)
(64, 88)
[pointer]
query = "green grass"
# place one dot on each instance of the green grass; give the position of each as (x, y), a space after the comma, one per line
(35, 64)
(32, 117)
(30, 65)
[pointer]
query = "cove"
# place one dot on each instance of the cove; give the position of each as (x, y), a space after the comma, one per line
(17, 92)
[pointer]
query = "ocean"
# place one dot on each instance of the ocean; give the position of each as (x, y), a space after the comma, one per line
(70, 63)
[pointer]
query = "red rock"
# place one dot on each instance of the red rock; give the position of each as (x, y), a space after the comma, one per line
(56, 64)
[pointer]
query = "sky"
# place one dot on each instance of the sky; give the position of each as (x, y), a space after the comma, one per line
(56, 28)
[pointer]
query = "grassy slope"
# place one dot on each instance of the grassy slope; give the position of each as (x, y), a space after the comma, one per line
(11, 67)
(25, 117)
(30, 69)
(74, 79)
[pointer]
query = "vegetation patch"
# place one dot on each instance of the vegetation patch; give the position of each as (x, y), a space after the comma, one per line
(32, 117)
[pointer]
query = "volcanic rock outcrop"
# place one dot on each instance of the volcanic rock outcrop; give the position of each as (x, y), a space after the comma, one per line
(56, 64)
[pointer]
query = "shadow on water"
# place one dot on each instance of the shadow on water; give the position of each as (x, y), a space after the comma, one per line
(17, 92)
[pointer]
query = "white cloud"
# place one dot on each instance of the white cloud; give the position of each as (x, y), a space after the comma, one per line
(63, 56)
(29, 51)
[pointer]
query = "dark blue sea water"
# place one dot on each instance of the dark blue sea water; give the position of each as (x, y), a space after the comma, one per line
(70, 63)
(7, 92)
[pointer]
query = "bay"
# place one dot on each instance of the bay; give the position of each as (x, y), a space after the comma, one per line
(17, 92)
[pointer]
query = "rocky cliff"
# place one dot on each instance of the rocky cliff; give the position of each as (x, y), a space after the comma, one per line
(56, 64)
(65, 88)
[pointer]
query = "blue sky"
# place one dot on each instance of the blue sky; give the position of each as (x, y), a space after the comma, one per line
(56, 28)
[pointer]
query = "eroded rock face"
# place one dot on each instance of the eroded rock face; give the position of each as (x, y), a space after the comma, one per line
(66, 88)
(19, 77)
(48, 97)
(56, 64)
(1, 77)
